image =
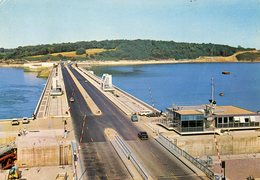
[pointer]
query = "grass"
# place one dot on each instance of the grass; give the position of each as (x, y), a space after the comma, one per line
(44, 73)
(88, 52)
(95, 51)
(73, 53)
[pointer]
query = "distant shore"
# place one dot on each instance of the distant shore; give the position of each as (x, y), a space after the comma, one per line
(136, 62)
(143, 62)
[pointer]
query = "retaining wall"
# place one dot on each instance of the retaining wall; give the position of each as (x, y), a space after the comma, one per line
(44, 156)
(228, 144)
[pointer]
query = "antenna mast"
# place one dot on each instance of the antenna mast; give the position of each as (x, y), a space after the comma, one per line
(212, 89)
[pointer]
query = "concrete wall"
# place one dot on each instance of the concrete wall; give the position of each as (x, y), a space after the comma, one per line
(44, 156)
(228, 144)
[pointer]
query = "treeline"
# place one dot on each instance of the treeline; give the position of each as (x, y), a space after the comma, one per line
(248, 57)
(125, 49)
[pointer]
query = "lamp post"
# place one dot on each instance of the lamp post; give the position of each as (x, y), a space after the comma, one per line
(223, 165)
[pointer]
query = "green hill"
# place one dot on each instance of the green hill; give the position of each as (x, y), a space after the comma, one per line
(121, 50)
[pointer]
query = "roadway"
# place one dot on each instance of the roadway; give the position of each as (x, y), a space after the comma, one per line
(100, 159)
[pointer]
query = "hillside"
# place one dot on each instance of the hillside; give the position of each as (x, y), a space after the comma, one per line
(120, 50)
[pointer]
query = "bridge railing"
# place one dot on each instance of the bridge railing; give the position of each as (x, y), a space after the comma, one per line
(173, 148)
(126, 150)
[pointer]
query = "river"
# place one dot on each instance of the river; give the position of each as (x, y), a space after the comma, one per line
(189, 84)
(19, 92)
(160, 85)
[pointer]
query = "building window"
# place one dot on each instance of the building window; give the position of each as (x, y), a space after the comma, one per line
(231, 119)
(247, 120)
(199, 123)
(225, 120)
(192, 123)
(185, 124)
(220, 120)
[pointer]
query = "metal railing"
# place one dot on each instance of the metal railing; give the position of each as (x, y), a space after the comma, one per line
(73, 152)
(126, 150)
(179, 152)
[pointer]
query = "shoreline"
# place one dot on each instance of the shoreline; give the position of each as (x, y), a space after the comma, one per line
(134, 62)
(147, 62)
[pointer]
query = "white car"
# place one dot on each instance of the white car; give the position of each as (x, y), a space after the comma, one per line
(145, 112)
(72, 99)
(25, 120)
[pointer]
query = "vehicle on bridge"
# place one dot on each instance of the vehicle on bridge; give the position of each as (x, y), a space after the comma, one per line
(154, 114)
(15, 122)
(145, 112)
(25, 120)
(143, 135)
(72, 99)
(134, 118)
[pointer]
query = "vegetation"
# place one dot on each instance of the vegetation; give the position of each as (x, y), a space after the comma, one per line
(80, 51)
(44, 73)
(117, 50)
(248, 56)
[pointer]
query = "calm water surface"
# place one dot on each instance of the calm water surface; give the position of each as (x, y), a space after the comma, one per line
(19, 92)
(189, 84)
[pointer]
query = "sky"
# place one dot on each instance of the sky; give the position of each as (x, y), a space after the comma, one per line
(32, 22)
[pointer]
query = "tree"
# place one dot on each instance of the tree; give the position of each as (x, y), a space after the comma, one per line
(80, 51)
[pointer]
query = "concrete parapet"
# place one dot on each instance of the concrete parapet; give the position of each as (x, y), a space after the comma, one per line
(230, 143)
(134, 167)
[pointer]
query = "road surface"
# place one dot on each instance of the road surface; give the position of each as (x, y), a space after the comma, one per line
(100, 159)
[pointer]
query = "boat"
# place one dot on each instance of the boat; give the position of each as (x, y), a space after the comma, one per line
(221, 94)
(226, 72)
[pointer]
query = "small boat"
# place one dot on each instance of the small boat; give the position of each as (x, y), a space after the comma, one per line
(226, 72)
(221, 94)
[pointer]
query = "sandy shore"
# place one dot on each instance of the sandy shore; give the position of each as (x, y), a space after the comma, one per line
(141, 62)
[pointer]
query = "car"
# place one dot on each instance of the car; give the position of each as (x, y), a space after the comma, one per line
(72, 99)
(15, 122)
(143, 135)
(144, 112)
(25, 120)
(134, 118)
(153, 114)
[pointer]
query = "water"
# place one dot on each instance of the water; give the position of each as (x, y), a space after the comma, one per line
(19, 92)
(189, 84)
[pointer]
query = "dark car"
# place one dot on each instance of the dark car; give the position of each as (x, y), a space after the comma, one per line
(15, 122)
(154, 114)
(143, 135)
(134, 118)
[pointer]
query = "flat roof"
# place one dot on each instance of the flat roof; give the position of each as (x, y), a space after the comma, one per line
(232, 110)
(190, 111)
(218, 111)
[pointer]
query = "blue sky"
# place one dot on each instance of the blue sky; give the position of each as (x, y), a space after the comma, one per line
(31, 22)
